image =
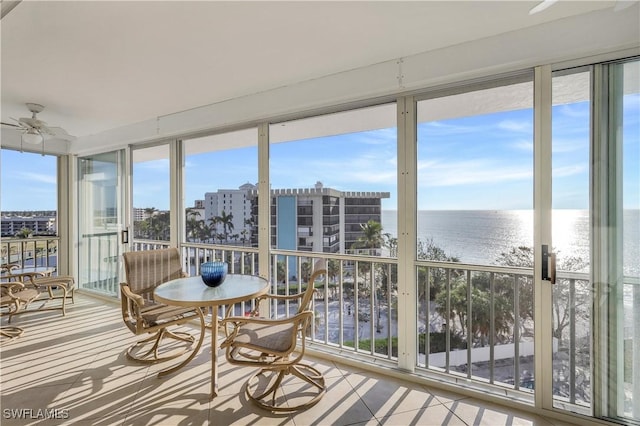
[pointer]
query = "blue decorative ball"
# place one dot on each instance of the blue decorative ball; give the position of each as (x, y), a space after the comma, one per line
(213, 273)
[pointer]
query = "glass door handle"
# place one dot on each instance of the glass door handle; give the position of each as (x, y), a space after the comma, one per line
(548, 265)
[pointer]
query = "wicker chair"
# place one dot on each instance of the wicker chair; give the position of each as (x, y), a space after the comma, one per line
(145, 270)
(272, 345)
(14, 299)
(57, 287)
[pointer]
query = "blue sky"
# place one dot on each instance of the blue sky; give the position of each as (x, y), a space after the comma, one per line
(27, 181)
(478, 162)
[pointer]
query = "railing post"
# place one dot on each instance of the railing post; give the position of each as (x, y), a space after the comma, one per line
(469, 323)
(572, 341)
(492, 326)
(516, 331)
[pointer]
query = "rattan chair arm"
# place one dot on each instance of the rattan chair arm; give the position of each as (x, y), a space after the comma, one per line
(281, 296)
(10, 287)
(135, 298)
(239, 321)
(8, 267)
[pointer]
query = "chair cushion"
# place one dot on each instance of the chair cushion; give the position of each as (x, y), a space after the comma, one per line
(24, 296)
(267, 338)
(156, 314)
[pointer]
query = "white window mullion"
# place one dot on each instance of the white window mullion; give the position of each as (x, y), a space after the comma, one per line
(407, 211)
(64, 218)
(264, 201)
(176, 169)
(543, 322)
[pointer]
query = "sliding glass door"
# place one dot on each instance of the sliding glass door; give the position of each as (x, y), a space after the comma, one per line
(571, 306)
(475, 253)
(616, 248)
(565, 163)
(100, 219)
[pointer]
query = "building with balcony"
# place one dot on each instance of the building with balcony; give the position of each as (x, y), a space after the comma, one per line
(38, 225)
(306, 219)
(512, 124)
(233, 202)
(321, 219)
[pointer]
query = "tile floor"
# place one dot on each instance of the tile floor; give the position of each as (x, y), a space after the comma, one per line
(75, 368)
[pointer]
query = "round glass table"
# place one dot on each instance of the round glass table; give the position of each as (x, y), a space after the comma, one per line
(193, 292)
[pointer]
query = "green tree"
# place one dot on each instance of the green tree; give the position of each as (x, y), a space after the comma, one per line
(204, 231)
(24, 233)
(371, 239)
(192, 224)
(227, 224)
(213, 227)
(149, 213)
(161, 227)
(523, 256)
(428, 250)
(480, 307)
(391, 243)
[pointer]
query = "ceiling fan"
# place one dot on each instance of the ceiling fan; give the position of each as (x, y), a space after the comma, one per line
(620, 5)
(33, 129)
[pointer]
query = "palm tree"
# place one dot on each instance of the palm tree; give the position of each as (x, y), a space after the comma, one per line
(371, 239)
(162, 226)
(204, 231)
(213, 226)
(193, 223)
(391, 243)
(227, 224)
(149, 212)
(24, 233)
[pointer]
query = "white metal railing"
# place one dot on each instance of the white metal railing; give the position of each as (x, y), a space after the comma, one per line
(355, 305)
(99, 262)
(32, 251)
(474, 322)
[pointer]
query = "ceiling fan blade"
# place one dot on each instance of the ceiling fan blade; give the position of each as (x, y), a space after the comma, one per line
(58, 133)
(32, 122)
(11, 125)
(34, 125)
(542, 6)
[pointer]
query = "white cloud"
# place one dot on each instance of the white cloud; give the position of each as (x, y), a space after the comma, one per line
(451, 173)
(569, 144)
(345, 173)
(377, 137)
(574, 111)
(516, 126)
(161, 164)
(437, 128)
(570, 170)
(38, 177)
(523, 145)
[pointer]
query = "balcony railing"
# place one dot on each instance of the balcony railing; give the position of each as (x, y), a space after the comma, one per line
(32, 251)
(99, 262)
(474, 323)
(355, 306)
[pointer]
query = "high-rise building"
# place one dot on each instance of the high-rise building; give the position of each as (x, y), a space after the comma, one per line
(39, 225)
(320, 219)
(308, 219)
(234, 203)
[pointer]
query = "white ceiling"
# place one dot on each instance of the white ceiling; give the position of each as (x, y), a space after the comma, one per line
(103, 65)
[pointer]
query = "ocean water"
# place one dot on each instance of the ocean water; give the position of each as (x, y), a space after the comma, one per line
(480, 236)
